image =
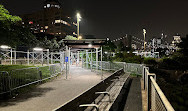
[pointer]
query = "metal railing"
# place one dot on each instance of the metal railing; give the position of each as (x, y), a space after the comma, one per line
(156, 100)
(133, 68)
(19, 78)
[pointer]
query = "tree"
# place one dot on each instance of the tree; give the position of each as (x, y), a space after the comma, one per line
(69, 37)
(184, 46)
(12, 33)
(6, 17)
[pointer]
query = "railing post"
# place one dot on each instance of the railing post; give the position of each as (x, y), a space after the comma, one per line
(82, 60)
(14, 56)
(149, 90)
(146, 77)
(28, 57)
(48, 56)
(51, 57)
(11, 56)
(96, 58)
(87, 59)
(91, 65)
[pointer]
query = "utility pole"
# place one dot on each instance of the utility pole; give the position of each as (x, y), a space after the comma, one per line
(144, 32)
(78, 24)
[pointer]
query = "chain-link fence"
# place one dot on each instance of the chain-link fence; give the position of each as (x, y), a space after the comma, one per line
(132, 68)
(19, 78)
(156, 100)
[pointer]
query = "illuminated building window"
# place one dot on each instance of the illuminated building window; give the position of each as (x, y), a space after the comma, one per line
(48, 5)
(46, 27)
(57, 6)
(61, 21)
(57, 21)
(31, 22)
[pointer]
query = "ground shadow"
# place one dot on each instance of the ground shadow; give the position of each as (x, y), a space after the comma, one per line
(36, 92)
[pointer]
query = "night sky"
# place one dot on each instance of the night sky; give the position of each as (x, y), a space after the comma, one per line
(115, 18)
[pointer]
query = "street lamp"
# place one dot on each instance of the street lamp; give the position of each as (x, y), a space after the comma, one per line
(37, 49)
(79, 37)
(5, 47)
(78, 25)
(90, 45)
(144, 32)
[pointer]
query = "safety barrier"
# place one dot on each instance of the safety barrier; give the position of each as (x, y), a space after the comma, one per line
(156, 100)
(19, 78)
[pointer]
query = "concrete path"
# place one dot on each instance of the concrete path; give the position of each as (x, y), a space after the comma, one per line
(51, 95)
(134, 99)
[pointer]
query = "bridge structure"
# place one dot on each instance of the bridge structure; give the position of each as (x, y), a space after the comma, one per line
(88, 54)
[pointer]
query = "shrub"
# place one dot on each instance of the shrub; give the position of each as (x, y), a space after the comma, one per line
(150, 61)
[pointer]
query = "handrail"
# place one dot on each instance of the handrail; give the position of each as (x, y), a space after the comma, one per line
(165, 101)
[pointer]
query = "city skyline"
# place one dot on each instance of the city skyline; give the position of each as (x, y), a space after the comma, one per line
(116, 19)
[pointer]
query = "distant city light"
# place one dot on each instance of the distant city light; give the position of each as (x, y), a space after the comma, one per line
(31, 22)
(46, 27)
(48, 5)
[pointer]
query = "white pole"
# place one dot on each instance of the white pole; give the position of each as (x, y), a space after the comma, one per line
(42, 57)
(28, 57)
(66, 55)
(82, 59)
(51, 57)
(69, 61)
(15, 57)
(87, 59)
(48, 56)
(11, 56)
(96, 58)
(91, 60)
(101, 65)
(78, 58)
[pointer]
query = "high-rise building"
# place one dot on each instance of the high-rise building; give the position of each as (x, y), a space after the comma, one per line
(50, 20)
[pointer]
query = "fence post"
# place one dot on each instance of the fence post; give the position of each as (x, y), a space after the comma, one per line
(28, 57)
(149, 90)
(82, 60)
(11, 56)
(42, 58)
(51, 57)
(101, 65)
(15, 57)
(146, 77)
(87, 59)
(91, 65)
(96, 58)
(48, 56)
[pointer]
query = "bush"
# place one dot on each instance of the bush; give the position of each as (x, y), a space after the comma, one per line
(150, 61)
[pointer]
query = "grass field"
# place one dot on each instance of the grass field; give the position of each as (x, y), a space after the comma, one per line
(8, 68)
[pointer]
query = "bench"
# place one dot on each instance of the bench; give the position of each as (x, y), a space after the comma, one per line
(106, 99)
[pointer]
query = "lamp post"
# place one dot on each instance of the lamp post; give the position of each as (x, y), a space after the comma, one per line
(144, 32)
(78, 25)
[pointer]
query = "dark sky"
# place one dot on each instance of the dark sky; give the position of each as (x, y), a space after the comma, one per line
(115, 18)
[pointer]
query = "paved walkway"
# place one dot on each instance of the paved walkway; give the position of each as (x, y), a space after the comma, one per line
(51, 95)
(134, 99)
